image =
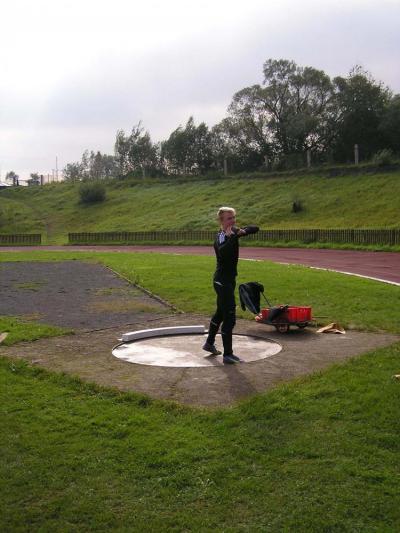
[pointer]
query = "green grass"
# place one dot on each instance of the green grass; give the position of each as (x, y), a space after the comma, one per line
(319, 454)
(366, 201)
(23, 330)
(185, 281)
(354, 302)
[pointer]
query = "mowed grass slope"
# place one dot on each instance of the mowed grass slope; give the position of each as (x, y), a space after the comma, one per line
(369, 201)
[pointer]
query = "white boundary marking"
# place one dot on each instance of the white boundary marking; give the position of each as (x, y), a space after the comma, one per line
(358, 275)
(328, 270)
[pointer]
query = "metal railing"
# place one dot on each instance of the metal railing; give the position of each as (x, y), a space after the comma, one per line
(24, 239)
(388, 237)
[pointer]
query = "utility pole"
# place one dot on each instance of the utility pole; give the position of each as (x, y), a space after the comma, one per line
(56, 168)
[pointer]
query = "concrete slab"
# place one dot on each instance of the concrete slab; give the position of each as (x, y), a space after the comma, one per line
(89, 355)
(186, 351)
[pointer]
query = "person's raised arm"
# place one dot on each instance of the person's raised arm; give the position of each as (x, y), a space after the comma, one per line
(247, 230)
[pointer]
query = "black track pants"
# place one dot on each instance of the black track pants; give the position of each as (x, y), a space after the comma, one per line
(225, 314)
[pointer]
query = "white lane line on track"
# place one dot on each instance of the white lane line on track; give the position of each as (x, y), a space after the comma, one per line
(329, 270)
(358, 275)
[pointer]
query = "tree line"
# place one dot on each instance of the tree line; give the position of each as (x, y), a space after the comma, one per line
(268, 126)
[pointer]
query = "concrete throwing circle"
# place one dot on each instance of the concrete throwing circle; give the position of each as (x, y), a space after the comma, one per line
(186, 350)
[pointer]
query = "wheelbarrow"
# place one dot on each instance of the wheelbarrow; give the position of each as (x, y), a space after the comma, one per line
(280, 316)
(284, 316)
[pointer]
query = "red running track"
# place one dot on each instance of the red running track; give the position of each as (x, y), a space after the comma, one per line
(384, 266)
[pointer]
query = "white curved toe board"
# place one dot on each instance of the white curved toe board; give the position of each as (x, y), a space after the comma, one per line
(161, 332)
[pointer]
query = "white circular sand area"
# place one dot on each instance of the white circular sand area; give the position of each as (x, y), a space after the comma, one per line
(186, 350)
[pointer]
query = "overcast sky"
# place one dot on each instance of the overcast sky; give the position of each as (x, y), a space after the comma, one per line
(74, 72)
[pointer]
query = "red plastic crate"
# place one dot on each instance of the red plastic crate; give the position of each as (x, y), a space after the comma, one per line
(293, 314)
(299, 314)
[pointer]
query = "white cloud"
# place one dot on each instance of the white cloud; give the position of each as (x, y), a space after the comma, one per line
(75, 72)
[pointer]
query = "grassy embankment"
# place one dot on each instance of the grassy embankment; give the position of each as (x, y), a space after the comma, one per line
(366, 201)
(318, 454)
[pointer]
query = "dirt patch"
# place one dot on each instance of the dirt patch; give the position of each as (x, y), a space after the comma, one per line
(89, 356)
(74, 294)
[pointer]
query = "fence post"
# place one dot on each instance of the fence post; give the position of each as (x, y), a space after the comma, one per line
(308, 158)
(356, 154)
(225, 166)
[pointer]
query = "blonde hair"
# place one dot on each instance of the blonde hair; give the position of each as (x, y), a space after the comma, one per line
(223, 210)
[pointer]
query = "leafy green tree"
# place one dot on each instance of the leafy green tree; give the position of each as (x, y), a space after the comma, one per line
(13, 177)
(361, 104)
(121, 150)
(110, 167)
(188, 149)
(96, 166)
(201, 148)
(93, 166)
(233, 142)
(291, 112)
(175, 151)
(389, 126)
(34, 179)
(101, 166)
(135, 152)
(249, 121)
(72, 172)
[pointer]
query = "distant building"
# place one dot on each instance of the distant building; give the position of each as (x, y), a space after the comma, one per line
(3, 185)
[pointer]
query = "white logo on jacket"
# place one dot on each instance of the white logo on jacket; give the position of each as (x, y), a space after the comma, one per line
(221, 237)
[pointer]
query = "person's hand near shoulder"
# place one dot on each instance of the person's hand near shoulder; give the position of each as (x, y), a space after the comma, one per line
(231, 230)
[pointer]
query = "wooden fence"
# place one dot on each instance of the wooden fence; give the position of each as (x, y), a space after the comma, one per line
(385, 237)
(24, 239)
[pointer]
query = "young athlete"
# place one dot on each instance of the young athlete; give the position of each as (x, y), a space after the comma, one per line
(226, 246)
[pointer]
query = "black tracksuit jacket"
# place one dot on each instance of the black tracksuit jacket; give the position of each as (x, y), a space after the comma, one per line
(227, 254)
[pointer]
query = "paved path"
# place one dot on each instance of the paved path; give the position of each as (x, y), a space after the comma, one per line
(384, 266)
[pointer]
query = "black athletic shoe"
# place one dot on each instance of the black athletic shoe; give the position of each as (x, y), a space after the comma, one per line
(231, 359)
(211, 348)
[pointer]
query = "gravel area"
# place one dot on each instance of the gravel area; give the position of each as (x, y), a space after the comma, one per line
(74, 294)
